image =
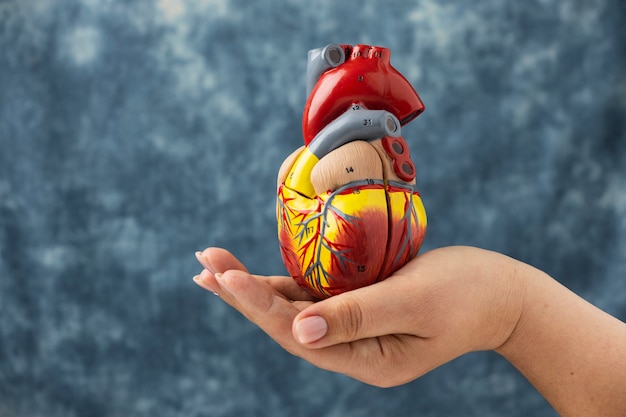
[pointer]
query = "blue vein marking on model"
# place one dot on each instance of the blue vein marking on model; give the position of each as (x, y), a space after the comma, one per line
(317, 266)
(409, 213)
(304, 227)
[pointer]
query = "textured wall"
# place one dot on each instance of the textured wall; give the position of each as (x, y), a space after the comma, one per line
(134, 133)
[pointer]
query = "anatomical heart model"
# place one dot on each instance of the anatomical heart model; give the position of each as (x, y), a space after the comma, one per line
(348, 211)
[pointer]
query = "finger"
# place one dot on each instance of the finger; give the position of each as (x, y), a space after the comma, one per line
(206, 280)
(219, 260)
(376, 310)
(378, 361)
(286, 166)
(262, 305)
(288, 287)
(215, 260)
(274, 314)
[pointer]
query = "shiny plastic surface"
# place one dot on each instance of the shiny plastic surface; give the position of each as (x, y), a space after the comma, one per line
(366, 78)
(372, 221)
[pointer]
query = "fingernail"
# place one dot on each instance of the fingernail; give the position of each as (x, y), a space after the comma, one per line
(201, 280)
(204, 262)
(223, 283)
(311, 329)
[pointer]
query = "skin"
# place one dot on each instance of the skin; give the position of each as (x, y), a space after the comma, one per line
(442, 304)
(439, 306)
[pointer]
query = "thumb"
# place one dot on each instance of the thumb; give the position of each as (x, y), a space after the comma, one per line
(371, 311)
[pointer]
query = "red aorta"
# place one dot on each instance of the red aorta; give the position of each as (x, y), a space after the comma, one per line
(366, 78)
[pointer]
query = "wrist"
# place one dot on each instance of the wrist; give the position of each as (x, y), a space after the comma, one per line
(509, 278)
(571, 351)
(519, 279)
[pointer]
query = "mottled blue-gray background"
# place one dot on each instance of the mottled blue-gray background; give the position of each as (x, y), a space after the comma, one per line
(135, 133)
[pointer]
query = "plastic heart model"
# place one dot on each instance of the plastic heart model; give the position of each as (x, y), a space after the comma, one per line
(348, 212)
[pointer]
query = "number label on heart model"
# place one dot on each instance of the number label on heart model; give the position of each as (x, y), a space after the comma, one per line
(363, 229)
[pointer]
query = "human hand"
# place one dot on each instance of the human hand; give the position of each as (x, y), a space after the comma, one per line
(439, 306)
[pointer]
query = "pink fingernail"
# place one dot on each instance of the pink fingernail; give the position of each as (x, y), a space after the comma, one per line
(201, 280)
(204, 262)
(222, 282)
(311, 329)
